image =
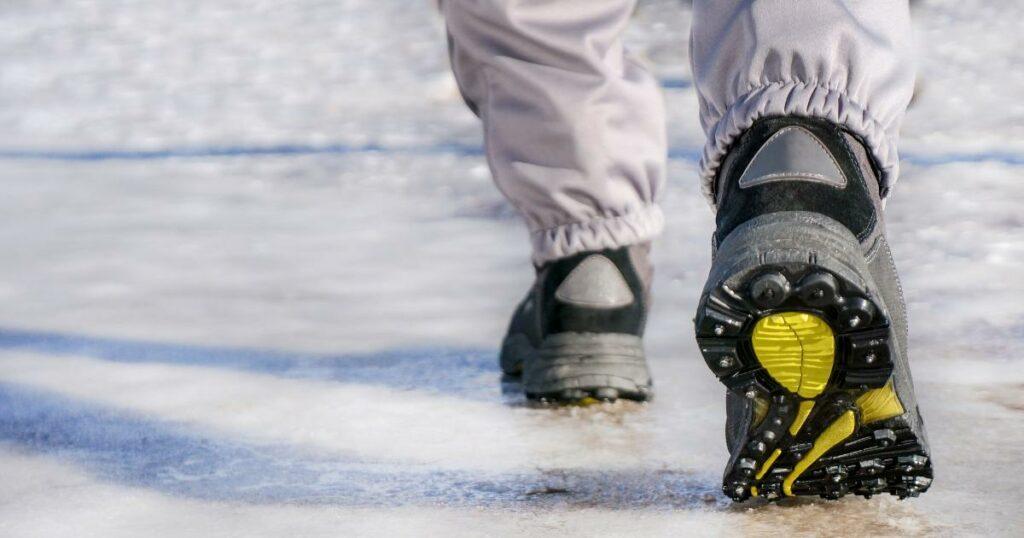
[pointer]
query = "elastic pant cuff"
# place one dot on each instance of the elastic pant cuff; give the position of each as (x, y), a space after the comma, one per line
(797, 99)
(597, 234)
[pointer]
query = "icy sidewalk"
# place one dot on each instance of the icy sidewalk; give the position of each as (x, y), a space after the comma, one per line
(224, 348)
(304, 343)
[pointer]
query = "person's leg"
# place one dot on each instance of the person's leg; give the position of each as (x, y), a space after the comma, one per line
(573, 125)
(802, 317)
(848, 62)
(575, 138)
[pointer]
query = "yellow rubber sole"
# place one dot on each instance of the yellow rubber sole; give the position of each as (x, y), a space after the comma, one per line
(809, 355)
(877, 405)
(837, 432)
(798, 349)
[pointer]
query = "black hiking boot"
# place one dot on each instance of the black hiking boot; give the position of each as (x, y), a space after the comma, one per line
(802, 318)
(577, 334)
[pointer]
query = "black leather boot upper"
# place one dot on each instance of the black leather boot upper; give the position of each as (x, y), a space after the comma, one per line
(798, 164)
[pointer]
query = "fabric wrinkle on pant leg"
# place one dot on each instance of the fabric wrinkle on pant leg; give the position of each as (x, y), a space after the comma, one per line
(574, 126)
(845, 61)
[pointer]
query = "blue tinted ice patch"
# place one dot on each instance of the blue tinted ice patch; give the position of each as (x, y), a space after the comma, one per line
(166, 457)
(235, 151)
(676, 83)
(136, 451)
(465, 373)
(949, 158)
(452, 148)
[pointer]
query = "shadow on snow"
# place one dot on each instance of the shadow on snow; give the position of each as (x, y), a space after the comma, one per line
(466, 373)
(167, 457)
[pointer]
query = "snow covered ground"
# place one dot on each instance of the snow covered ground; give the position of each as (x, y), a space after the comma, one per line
(230, 234)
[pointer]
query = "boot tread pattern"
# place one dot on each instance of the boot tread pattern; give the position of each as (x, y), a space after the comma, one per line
(818, 349)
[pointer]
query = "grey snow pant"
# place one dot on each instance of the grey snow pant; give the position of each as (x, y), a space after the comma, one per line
(574, 126)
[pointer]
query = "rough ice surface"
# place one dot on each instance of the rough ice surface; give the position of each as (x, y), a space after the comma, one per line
(254, 274)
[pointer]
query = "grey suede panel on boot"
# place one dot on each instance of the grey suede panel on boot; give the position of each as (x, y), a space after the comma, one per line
(792, 154)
